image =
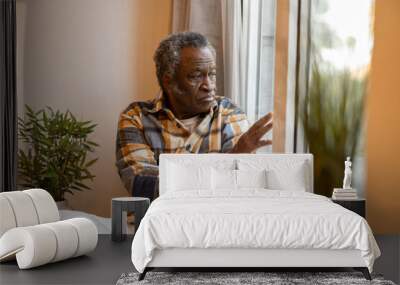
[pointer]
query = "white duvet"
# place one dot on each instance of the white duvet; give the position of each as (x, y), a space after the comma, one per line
(252, 218)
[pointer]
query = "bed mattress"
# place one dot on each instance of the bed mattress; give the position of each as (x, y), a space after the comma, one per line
(250, 219)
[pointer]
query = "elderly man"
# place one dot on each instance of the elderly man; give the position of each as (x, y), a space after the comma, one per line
(188, 116)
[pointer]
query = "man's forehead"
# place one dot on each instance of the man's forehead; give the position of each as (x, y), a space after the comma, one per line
(192, 55)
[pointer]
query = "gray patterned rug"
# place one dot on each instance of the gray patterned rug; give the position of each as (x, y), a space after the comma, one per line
(229, 278)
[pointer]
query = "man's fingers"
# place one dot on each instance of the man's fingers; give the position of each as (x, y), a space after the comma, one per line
(262, 143)
(263, 120)
(263, 130)
(251, 140)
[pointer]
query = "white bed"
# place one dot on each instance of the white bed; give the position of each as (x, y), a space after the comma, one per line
(201, 226)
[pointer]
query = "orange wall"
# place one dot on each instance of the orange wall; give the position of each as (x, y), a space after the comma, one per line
(383, 122)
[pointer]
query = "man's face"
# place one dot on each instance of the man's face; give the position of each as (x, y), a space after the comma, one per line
(193, 91)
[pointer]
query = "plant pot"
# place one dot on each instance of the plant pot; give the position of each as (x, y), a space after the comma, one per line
(63, 205)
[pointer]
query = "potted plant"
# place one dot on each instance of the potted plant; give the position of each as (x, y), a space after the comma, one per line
(55, 152)
(331, 117)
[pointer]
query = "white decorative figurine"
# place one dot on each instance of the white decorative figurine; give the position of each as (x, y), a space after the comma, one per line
(347, 174)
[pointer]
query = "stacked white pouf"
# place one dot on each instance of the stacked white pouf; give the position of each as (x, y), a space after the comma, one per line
(31, 230)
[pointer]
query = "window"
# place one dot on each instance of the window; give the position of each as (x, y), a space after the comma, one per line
(337, 54)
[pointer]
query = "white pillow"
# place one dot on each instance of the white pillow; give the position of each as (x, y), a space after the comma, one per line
(184, 177)
(227, 179)
(223, 179)
(293, 179)
(251, 178)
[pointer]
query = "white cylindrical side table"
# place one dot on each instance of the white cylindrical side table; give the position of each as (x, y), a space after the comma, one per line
(137, 205)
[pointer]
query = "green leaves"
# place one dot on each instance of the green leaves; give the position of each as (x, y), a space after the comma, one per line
(89, 163)
(56, 150)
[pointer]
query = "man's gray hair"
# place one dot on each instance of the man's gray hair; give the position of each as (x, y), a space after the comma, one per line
(168, 54)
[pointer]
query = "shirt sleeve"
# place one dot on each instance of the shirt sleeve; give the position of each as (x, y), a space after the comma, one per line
(136, 163)
(235, 125)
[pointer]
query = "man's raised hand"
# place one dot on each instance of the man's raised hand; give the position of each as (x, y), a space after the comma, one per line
(251, 140)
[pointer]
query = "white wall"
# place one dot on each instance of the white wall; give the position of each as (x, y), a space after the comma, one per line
(92, 57)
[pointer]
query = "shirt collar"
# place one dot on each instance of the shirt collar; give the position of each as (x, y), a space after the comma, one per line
(158, 104)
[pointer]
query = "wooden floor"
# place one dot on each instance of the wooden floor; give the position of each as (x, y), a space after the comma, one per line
(110, 259)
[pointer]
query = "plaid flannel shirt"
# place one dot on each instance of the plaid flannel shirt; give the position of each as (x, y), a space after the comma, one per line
(147, 129)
